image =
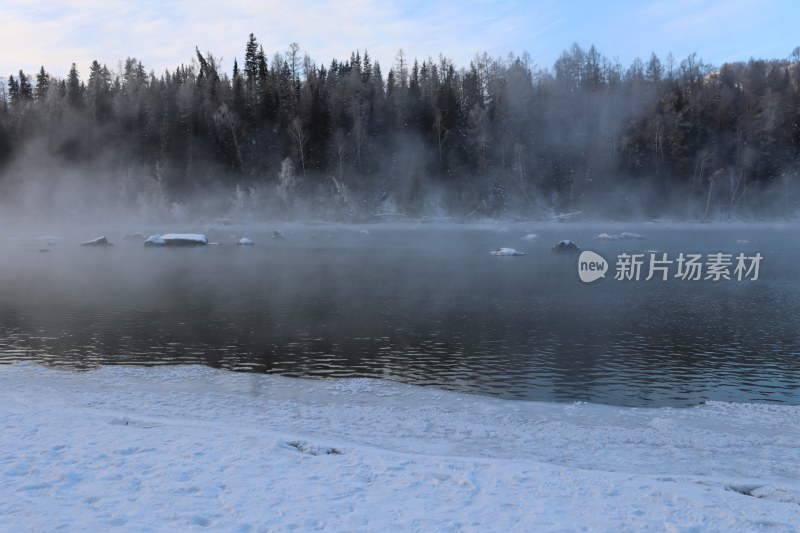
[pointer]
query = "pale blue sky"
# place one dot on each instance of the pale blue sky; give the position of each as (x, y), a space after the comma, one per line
(163, 34)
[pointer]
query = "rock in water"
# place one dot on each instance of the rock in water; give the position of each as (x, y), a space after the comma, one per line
(506, 251)
(278, 234)
(50, 240)
(155, 240)
(565, 247)
(99, 241)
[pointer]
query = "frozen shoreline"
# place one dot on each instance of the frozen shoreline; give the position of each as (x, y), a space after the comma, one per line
(191, 447)
(81, 230)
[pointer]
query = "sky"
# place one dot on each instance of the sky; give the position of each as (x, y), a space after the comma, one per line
(163, 34)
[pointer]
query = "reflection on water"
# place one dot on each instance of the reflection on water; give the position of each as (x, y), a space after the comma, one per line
(420, 304)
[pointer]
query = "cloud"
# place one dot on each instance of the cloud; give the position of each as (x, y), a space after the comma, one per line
(163, 34)
(720, 31)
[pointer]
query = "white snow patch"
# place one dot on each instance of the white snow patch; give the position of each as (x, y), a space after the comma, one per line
(506, 251)
(184, 238)
(188, 447)
(619, 236)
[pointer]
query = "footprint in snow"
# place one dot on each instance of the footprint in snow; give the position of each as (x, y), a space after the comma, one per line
(767, 492)
(312, 449)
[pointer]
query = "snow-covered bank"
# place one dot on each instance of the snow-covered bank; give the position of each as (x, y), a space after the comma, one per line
(182, 448)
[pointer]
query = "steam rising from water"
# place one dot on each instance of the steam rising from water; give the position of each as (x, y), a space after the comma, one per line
(425, 304)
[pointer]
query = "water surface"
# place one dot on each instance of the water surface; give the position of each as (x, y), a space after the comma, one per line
(423, 304)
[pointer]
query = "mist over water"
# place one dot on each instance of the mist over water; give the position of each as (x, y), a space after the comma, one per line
(417, 303)
(286, 137)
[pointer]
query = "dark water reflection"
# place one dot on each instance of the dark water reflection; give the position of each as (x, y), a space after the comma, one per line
(420, 304)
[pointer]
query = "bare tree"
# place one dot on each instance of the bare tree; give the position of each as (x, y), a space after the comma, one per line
(359, 132)
(340, 144)
(518, 149)
(300, 135)
(442, 134)
(670, 66)
(227, 122)
(293, 58)
(286, 179)
(402, 68)
(479, 133)
(711, 181)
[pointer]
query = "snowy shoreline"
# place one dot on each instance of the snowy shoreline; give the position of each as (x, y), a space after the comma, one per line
(194, 448)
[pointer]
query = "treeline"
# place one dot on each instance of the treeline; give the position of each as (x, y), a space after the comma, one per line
(281, 136)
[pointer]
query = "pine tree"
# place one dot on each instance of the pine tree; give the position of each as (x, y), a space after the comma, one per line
(25, 88)
(237, 98)
(366, 69)
(251, 64)
(42, 85)
(99, 91)
(13, 91)
(73, 87)
(261, 62)
(654, 70)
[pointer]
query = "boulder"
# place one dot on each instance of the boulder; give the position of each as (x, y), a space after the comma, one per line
(155, 240)
(565, 247)
(99, 241)
(50, 240)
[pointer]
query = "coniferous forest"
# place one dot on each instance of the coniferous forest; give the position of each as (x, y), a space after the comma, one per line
(285, 137)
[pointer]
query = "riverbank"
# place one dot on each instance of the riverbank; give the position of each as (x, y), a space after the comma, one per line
(189, 447)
